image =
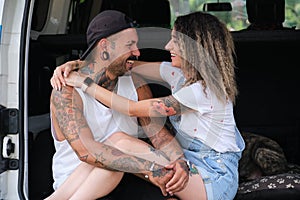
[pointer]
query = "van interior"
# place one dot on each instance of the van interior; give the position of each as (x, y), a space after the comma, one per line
(266, 68)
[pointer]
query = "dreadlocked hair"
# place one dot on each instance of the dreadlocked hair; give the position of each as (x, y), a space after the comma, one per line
(207, 50)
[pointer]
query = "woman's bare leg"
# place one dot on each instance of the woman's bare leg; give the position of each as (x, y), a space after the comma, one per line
(99, 183)
(72, 183)
(195, 189)
(136, 147)
(87, 182)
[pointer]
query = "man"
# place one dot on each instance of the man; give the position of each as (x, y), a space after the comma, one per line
(112, 39)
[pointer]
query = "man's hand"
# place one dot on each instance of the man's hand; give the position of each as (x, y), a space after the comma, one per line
(57, 80)
(171, 179)
(160, 178)
(180, 178)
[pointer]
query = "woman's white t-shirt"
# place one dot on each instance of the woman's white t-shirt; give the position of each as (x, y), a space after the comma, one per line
(212, 122)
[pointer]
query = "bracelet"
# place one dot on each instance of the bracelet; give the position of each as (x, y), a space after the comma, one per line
(86, 83)
(187, 162)
(151, 169)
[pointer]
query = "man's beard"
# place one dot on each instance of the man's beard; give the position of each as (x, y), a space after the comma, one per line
(118, 67)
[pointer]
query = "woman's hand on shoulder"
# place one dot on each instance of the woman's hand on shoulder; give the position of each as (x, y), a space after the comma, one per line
(58, 78)
(75, 79)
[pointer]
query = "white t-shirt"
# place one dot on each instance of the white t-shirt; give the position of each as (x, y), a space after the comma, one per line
(102, 121)
(212, 122)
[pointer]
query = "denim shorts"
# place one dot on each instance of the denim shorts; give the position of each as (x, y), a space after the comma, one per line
(219, 171)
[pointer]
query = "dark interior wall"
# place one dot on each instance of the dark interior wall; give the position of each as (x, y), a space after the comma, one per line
(268, 102)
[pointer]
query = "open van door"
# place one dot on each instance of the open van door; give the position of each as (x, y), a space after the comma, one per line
(14, 18)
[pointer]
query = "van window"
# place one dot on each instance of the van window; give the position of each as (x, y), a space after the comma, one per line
(80, 15)
(237, 19)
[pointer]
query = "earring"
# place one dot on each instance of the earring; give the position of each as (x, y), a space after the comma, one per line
(104, 55)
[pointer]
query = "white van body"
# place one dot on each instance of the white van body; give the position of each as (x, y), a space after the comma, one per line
(15, 33)
(11, 18)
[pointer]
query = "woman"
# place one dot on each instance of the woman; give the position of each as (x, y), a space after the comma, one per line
(202, 80)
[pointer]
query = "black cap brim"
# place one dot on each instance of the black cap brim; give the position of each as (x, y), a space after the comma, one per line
(88, 51)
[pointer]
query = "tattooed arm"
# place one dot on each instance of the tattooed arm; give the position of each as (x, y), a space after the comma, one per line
(156, 107)
(163, 140)
(154, 126)
(148, 70)
(67, 111)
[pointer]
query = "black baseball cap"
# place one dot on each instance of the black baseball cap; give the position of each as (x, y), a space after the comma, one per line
(104, 24)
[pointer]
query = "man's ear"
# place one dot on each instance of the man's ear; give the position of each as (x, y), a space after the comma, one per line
(103, 43)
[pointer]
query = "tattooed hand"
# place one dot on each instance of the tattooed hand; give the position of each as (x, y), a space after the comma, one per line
(160, 107)
(180, 178)
(160, 178)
